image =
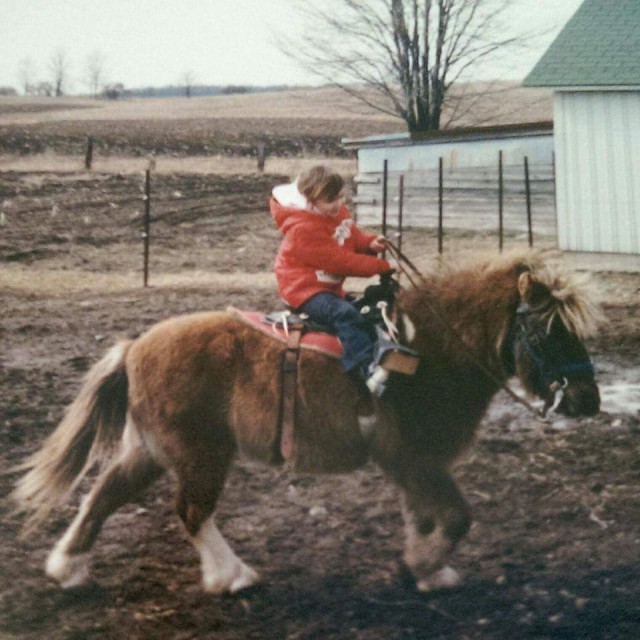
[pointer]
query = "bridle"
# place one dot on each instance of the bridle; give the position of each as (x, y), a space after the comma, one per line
(524, 332)
(529, 336)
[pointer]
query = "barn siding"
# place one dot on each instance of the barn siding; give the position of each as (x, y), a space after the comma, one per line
(470, 199)
(598, 170)
(470, 163)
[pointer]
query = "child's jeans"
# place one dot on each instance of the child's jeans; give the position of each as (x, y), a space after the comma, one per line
(356, 335)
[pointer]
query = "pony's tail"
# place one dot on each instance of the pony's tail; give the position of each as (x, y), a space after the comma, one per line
(89, 431)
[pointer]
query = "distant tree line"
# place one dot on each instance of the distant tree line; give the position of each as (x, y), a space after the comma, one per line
(57, 81)
(57, 78)
(172, 91)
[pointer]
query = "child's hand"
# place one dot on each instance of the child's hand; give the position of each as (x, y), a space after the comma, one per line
(378, 244)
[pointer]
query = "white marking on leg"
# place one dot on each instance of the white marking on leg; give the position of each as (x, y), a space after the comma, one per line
(222, 570)
(367, 425)
(445, 578)
(376, 381)
(70, 570)
(425, 555)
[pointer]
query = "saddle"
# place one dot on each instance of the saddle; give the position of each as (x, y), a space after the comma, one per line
(298, 332)
(281, 324)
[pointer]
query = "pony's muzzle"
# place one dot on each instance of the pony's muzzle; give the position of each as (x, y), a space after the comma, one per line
(581, 398)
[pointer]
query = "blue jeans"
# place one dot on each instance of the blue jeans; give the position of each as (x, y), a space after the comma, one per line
(355, 333)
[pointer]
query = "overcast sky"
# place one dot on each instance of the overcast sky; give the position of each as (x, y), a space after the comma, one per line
(154, 42)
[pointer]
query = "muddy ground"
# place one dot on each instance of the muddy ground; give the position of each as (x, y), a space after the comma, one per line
(555, 548)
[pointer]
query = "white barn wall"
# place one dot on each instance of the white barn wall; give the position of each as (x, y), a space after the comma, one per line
(470, 164)
(598, 170)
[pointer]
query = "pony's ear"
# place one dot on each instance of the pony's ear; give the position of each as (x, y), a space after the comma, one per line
(524, 284)
(531, 291)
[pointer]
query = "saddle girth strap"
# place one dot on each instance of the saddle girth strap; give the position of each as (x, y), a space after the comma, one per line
(289, 390)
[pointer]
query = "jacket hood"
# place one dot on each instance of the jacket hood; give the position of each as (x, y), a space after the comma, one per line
(289, 196)
(288, 206)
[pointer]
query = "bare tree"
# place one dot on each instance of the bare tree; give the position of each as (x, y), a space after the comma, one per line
(402, 57)
(59, 67)
(26, 75)
(94, 72)
(43, 89)
(187, 79)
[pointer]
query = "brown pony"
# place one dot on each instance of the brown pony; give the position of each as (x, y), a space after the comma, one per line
(194, 391)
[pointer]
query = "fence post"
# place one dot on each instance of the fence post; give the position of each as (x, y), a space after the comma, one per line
(88, 158)
(262, 156)
(147, 225)
(385, 184)
(527, 187)
(500, 202)
(440, 207)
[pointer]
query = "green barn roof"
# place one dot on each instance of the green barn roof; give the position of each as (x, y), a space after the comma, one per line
(598, 47)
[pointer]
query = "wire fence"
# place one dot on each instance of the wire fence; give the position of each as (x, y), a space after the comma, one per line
(505, 200)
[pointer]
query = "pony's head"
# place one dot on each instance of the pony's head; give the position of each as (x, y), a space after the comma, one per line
(553, 317)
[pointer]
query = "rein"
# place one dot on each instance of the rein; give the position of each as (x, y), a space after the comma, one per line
(400, 257)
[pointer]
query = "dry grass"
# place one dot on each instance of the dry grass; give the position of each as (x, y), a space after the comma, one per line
(68, 282)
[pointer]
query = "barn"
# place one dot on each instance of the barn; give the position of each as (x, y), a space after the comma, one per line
(593, 67)
(469, 161)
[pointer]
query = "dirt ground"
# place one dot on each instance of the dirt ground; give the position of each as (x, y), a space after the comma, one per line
(555, 548)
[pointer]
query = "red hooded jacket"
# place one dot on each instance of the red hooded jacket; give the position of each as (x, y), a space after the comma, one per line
(319, 251)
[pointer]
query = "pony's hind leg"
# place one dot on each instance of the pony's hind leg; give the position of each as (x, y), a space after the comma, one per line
(119, 484)
(199, 486)
(436, 518)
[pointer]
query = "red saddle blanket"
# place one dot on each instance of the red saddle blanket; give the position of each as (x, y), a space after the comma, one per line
(322, 342)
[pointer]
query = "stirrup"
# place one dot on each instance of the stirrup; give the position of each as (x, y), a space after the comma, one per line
(392, 356)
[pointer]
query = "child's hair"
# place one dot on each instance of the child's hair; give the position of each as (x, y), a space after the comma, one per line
(320, 183)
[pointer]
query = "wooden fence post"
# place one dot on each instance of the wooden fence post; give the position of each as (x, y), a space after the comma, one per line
(147, 225)
(262, 156)
(88, 158)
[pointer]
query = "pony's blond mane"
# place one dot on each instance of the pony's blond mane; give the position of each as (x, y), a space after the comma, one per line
(572, 297)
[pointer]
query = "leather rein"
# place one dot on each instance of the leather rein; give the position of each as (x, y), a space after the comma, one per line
(554, 387)
(520, 331)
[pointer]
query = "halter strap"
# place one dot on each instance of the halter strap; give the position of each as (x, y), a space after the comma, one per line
(549, 375)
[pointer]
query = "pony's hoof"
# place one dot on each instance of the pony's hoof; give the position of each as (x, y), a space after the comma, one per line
(247, 579)
(243, 578)
(445, 578)
(68, 571)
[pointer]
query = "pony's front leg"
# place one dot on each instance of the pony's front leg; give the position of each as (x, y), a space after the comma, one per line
(436, 518)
